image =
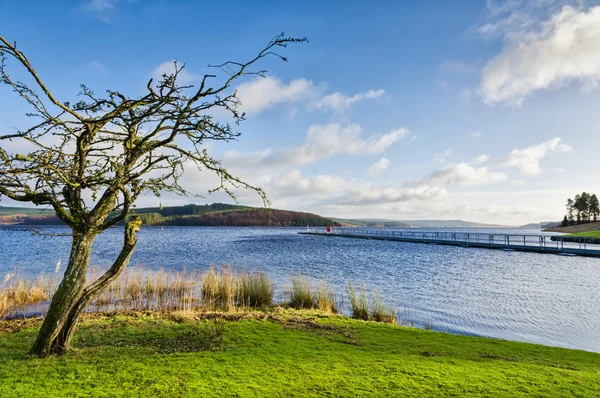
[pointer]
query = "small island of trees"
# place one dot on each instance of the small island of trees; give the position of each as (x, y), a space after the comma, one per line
(583, 208)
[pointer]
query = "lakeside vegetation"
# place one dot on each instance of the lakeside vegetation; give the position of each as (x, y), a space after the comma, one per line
(575, 233)
(590, 234)
(216, 214)
(163, 291)
(221, 332)
(281, 352)
(592, 237)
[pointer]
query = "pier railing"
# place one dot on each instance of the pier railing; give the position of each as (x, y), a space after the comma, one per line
(522, 242)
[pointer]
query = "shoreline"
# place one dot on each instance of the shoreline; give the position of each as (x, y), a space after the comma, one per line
(282, 352)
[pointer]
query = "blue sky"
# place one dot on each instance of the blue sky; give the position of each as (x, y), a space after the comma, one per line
(479, 110)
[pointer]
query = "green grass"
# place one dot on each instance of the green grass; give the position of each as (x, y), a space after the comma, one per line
(283, 354)
(589, 234)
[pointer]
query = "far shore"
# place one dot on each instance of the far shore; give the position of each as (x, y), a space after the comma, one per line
(587, 227)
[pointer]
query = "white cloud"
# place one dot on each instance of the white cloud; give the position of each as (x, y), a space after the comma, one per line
(294, 184)
(476, 134)
(101, 9)
(463, 174)
(339, 102)
(322, 142)
(528, 159)
(377, 167)
(264, 93)
(168, 67)
(513, 18)
(495, 8)
(557, 52)
(367, 194)
(481, 159)
(508, 26)
(99, 5)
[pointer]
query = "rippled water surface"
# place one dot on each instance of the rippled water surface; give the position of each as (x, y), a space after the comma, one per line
(540, 298)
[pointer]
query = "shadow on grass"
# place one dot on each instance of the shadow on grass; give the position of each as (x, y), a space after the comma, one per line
(154, 337)
(115, 335)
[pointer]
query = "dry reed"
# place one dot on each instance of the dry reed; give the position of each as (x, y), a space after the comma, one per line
(18, 293)
(303, 296)
(139, 289)
(371, 308)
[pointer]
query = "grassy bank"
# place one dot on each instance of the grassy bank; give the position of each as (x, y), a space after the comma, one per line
(590, 234)
(592, 237)
(284, 353)
(587, 227)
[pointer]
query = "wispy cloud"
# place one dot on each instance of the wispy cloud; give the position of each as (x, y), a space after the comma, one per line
(294, 184)
(539, 55)
(339, 102)
(322, 142)
(103, 10)
(367, 194)
(528, 159)
(377, 167)
(264, 93)
(463, 174)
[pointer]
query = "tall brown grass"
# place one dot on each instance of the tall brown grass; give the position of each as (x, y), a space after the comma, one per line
(139, 289)
(358, 302)
(370, 308)
(254, 289)
(301, 295)
(17, 293)
(224, 288)
(304, 296)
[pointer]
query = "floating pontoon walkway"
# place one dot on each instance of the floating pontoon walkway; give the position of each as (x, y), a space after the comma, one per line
(523, 243)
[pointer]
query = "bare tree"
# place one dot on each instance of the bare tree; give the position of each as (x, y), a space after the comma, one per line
(91, 160)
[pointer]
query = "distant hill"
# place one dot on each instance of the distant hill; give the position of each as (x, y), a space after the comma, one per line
(374, 223)
(415, 223)
(10, 211)
(540, 225)
(216, 214)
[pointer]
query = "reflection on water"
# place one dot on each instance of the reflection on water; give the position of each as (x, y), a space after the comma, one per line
(539, 298)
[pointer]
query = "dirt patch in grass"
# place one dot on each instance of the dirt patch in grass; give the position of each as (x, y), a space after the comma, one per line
(311, 324)
(195, 340)
(498, 357)
(16, 325)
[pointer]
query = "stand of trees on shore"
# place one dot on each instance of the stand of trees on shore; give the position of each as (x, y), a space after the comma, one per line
(583, 208)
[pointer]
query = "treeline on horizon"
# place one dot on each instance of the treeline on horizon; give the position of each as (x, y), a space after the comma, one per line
(583, 208)
(216, 214)
(242, 217)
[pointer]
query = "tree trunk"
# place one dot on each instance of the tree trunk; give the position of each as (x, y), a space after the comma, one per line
(59, 340)
(67, 294)
(63, 340)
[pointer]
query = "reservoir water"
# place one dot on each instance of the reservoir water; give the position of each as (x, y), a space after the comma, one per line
(539, 298)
